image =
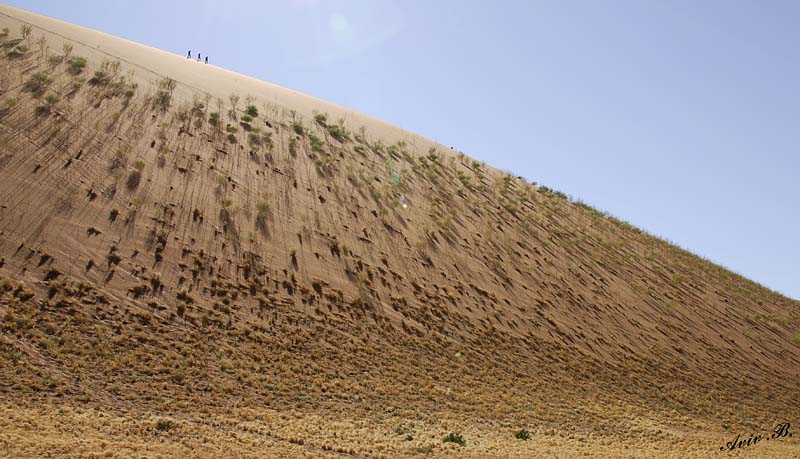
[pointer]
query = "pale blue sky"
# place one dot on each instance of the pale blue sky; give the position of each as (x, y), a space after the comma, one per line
(682, 117)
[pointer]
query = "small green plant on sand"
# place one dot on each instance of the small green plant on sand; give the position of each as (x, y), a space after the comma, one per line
(76, 65)
(37, 83)
(51, 100)
(338, 132)
(522, 434)
(165, 424)
(454, 438)
(25, 30)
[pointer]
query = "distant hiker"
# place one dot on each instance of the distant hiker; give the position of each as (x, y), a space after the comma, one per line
(206, 59)
(189, 56)
(198, 57)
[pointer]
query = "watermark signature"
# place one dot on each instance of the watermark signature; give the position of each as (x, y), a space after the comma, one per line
(781, 431)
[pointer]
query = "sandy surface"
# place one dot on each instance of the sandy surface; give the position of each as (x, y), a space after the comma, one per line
(195, 79)
(292, 285)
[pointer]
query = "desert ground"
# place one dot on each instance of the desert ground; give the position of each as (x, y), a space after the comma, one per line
(195, 263)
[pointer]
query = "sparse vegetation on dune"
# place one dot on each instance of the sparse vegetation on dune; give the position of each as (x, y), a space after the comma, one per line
(25, 31)
(76, 65)
(454, 438)
(270, 284)
(298, 128)
(163, 97)
(37, 83)
(522, 434)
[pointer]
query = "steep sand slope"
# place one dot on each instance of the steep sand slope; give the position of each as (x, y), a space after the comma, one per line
(181, 278)
(152, 64)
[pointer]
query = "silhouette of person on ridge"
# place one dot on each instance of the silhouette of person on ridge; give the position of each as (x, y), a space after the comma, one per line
(189, 56)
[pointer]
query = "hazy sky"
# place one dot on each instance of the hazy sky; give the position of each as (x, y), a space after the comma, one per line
(682, 117)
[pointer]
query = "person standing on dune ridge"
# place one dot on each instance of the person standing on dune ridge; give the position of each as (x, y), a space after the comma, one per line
(189, 56)
(199, 55)
(206, 59)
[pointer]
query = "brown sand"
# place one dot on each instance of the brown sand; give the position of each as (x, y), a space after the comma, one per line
(171, 289)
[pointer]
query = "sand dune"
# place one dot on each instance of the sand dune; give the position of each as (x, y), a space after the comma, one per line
(188, 274)
(151, 65)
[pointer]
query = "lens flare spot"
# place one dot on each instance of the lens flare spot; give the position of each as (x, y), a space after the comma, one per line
(338, 23)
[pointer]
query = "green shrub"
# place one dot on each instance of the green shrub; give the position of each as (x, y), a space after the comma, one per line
(37, 83)
(522, 434)
(76, 65)
(54, 60)
(252, 111)
(246, 118)
(165, 424)
(316, 143)
(298, 128)
(100, 78)
(51, 99)
(321, 119)
(254, 139)
(454, 438)
(163, 98)
(338, 132)
(213, 118)
(138, 165)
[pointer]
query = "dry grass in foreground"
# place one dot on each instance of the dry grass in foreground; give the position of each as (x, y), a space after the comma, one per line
(72, 432)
